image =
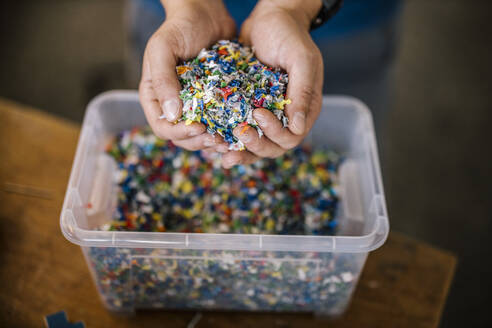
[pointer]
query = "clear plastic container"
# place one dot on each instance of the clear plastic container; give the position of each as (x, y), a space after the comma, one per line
(134, 270)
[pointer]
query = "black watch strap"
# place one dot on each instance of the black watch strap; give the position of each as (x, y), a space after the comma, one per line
(328, 9)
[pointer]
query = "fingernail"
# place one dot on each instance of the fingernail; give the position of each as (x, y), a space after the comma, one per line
(245, 138)
(209, 141)
(170, 109)
(261, 120)
(243, 135)
(299, 122)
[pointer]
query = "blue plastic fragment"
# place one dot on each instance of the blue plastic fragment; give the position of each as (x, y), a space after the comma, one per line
(59, 320)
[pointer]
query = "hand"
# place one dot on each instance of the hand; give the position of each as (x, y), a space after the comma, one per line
(190, 25)
(279, 33)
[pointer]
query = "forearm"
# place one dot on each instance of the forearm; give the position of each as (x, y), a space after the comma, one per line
(303, 10)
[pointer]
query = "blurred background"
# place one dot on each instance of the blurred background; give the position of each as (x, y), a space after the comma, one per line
(57, 55)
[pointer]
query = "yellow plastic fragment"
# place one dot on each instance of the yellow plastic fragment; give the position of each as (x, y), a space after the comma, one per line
(281, 104)
(187, 186)
(182, 69)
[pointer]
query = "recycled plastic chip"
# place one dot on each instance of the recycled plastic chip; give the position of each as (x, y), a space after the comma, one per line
(224, 84)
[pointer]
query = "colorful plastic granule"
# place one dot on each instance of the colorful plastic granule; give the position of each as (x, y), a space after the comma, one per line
(224, 84)
(164, 188)
(130, 278)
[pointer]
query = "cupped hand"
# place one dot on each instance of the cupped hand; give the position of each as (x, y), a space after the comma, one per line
(280, 37)
(190, 25)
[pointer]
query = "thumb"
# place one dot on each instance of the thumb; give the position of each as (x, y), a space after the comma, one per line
(301, 90)
(162, 63)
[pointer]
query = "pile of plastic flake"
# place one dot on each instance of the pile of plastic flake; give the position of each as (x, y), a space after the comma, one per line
(224, 84)
(164, 188)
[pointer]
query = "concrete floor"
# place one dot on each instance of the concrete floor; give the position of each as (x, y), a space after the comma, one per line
(56, 55)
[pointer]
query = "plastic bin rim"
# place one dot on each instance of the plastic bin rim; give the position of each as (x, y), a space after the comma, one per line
(212, 241)
(226, 241)
(133, 95)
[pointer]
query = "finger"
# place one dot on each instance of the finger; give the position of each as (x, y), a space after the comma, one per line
(216, 149)
(245, 33)
(162, 65)
(162, 128)
(274, 130)
(219, 144)
(200, 142)
(208, 151)
(261, 147)
(228, 28)
(175, 131)
(301, 90)
(210, 155)
(233, 158)
(222, 148)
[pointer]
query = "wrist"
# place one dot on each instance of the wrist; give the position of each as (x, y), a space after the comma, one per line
(304, 11)
(174, 6)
